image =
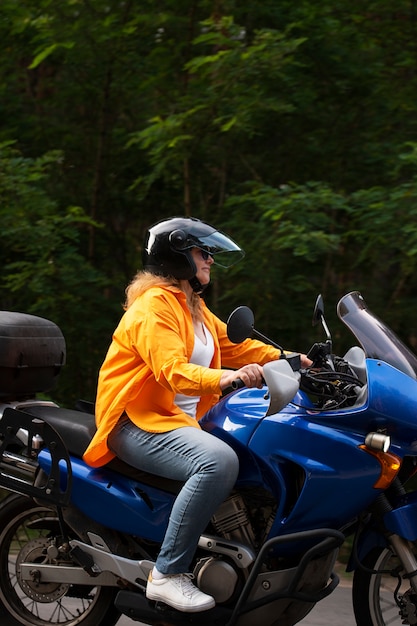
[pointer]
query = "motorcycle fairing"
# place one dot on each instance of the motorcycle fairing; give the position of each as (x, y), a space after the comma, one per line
(390, 406)
(279, 442)
(369, 538)
(116, 501)
(402, 520)
(290, 457)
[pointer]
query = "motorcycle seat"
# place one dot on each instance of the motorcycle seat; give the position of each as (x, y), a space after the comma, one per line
(77, 429)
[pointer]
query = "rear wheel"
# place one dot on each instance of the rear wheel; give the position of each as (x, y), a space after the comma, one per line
(27, 532)
(385, 598)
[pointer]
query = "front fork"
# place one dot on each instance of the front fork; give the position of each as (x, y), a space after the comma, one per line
(400, 529)
(404, 550)
(401, 522)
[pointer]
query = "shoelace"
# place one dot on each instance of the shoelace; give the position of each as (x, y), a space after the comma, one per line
(185, 584)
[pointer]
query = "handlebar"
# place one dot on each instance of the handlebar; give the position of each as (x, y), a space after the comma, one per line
(238, 383)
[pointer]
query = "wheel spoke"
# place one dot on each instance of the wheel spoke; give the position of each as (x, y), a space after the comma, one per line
(25, 537)
(383, 598)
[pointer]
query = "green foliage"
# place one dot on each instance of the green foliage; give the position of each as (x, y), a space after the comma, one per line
(301, 240)
(229, 90)
(291, 240)
(291, 125)
(43, 272)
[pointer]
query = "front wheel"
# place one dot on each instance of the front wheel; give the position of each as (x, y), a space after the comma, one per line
(27, 534)
(385, 598)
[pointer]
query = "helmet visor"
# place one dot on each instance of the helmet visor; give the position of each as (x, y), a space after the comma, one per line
(224, 250)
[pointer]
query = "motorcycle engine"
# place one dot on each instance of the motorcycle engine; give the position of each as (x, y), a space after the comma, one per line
(217, 575)
(231, 521)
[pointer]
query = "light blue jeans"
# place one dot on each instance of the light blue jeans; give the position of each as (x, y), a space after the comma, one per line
(208, 467)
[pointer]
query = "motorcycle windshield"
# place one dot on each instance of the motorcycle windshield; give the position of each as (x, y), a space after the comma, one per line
(377, 340)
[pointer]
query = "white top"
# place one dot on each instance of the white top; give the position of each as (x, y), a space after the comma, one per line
(202, 355)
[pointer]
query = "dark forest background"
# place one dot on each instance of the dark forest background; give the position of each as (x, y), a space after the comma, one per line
(290, 125)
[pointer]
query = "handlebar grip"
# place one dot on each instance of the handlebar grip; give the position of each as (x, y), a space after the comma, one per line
(237, 383)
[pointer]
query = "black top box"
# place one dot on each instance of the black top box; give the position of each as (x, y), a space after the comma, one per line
(32, 352)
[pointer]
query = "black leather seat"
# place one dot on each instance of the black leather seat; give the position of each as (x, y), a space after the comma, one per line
(78, 428)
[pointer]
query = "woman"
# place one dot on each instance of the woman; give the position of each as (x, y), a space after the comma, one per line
(162, 372)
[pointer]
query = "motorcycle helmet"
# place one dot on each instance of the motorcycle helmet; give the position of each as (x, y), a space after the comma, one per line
(167, 248)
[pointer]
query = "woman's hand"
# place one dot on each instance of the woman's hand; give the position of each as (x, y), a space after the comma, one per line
(305, 361)
(251, 375)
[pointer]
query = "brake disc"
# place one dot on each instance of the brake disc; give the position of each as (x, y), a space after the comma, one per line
(36, 552)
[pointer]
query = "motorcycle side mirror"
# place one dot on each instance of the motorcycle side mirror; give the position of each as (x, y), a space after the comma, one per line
(240, 324)
(318, 313)
(316, 349)
(318, 316)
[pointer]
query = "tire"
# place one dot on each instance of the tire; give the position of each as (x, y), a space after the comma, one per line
(26, 530)
(373, 595)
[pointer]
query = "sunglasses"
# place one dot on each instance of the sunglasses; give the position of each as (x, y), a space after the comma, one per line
(204, 254)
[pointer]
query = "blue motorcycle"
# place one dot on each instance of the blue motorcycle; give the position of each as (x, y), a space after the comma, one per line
(327, 458)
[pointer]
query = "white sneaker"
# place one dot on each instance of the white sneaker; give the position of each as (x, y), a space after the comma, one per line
(179, 592)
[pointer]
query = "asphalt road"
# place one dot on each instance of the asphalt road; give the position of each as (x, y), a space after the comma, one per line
(335, 610)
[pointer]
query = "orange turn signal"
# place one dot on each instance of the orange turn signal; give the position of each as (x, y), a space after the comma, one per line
(390, 466)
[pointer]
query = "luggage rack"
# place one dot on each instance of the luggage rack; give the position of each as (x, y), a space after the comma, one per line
(19, 470)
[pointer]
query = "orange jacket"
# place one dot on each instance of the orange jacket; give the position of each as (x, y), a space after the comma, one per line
(147, 364)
